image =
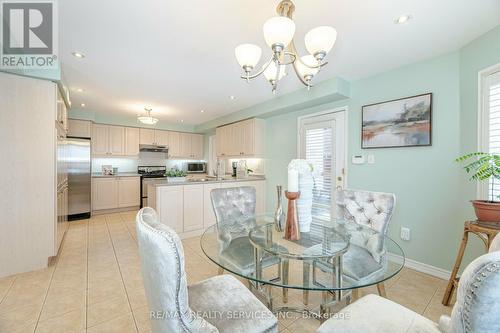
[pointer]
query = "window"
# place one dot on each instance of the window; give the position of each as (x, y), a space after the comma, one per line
(489, 125)
(322, 143)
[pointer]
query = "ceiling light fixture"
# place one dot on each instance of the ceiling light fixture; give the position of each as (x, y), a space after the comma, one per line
(278, 34)
(402, 19)
(148, 120)
(78, 55)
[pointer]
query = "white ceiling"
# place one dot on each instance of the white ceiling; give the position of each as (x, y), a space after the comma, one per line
(178, 56)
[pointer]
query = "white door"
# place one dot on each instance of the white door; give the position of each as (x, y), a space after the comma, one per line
(170, 205)
(322, 143)
(193, 207)
(100, 139)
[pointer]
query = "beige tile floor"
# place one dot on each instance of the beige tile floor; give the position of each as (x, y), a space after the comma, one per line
(95, 285)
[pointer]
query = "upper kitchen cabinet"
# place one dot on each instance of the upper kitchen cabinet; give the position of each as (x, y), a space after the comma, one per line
(191, 146)
(132, 138)
(174, 144)
(110, 140)
(154, 137)
(79, 128)
(242, 139)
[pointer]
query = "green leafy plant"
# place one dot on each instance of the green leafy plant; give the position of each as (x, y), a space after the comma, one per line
(486, 166)
(176, 173)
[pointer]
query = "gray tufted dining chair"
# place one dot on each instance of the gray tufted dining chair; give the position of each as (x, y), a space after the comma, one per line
(176, 307)
(366, 216)
(234, 209)
(476, 310)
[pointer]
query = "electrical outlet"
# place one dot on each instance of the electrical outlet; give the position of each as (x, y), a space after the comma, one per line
(405, 233)
(371, 159)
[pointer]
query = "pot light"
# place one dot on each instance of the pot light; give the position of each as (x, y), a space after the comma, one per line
(232, 97)
(78, 55)
(202, 111)
(79, 90)
(402, 19)
(182, 120)
(83, 105)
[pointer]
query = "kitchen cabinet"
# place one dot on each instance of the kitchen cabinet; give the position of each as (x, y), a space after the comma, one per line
(115, 192)
(193, 207)
(208, 210)
(171, 206)
(153, 137)
(79, 128)
(185, 142)
(174, 144)
(191, 146)
(104, 193)
(197, 146)
(129, 193)
(132, 138)
(100, 139)
(147, 136)
(242, 139)
(116, 140)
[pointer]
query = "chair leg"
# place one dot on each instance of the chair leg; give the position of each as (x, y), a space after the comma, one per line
(284, 273)
(355, 294)
(381, 289)
(305, 281)
(220, 271)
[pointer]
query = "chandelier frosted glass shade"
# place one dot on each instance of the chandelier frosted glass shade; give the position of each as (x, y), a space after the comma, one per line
(307, 67)
(147, 120)
(279, 30)
(270, 72)
(248, 55)
(320, 40)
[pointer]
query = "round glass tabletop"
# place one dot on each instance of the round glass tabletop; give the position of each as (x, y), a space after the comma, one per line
(334, 255)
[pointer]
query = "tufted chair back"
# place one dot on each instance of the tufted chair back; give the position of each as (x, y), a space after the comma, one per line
(234, 209)
(367, 216)
(478, 296)
(162, 266)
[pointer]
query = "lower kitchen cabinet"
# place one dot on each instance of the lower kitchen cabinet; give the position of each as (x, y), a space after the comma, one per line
(115, 192)
(188, 208)
(193, 207)
(171, 209)
(129, 192)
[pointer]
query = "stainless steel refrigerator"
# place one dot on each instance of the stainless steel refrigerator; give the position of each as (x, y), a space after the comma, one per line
(79, 178)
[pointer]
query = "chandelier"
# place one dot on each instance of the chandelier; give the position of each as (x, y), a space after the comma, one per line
(278, 33)
(148, 120)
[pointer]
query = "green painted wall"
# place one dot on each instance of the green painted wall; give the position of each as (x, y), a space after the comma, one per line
(424, 179)
(125, 120)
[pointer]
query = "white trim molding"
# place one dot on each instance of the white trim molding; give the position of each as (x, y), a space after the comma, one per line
(483, 120)
(421, 267)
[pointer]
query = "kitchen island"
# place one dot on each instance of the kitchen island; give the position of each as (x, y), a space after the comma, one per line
(186, 206)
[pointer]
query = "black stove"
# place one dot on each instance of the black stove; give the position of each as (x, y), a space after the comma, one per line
(148, 172)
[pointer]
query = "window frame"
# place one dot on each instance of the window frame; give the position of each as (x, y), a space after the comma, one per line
(483, 137)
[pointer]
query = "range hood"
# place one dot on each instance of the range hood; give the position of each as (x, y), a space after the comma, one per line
(154, 148)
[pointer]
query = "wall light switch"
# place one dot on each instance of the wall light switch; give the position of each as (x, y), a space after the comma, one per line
(358, 159)
(405, 233)
(371, 159)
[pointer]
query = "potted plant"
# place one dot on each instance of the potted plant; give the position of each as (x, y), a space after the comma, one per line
(176, 176)
(485, 167)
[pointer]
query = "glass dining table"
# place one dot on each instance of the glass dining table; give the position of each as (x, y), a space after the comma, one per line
(335, 257)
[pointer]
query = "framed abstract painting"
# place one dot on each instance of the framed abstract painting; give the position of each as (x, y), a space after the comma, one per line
(404, 122)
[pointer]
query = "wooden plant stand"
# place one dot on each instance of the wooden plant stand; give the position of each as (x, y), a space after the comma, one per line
(486, 231)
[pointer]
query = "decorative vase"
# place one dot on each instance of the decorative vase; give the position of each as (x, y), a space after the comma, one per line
(487, 211)
(279, 215)
(292, 227)
(304, 202)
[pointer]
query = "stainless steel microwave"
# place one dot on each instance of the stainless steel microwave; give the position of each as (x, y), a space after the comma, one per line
(196, 167)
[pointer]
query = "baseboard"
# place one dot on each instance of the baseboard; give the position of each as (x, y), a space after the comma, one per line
(423, 268)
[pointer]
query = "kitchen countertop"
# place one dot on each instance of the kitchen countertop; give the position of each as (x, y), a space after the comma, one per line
(119, 174)
(164, 182)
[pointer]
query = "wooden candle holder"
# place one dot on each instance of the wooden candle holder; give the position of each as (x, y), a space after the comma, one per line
(292, 223)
